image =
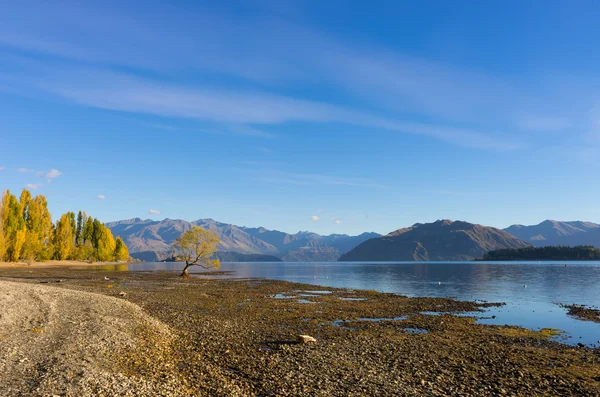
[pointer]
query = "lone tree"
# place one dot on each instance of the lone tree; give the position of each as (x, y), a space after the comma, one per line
(196, 247)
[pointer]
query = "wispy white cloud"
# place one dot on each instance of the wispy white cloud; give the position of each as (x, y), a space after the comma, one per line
(160, 126)
(53, 173)
(153, 212)
(315, 218)
(101, 197)
(33, 186)
(123, 93)
(461, 136)
(459, 105)
(337, 221)
(293, 178)
(2, 168)
(24, 170)
(535, 122)
(246, 130)
(407, 83)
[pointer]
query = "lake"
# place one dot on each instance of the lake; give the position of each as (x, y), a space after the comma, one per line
(531, 290)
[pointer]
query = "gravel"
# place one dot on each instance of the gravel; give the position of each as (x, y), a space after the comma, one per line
(170, 336)
(61, 342)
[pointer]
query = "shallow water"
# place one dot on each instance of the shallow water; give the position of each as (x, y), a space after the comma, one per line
(531, 290)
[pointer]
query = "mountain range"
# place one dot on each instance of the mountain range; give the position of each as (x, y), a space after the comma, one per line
(555, 233)
(150, 240)
(443, 240)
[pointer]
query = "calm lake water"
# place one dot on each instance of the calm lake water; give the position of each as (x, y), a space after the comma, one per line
(531, 290)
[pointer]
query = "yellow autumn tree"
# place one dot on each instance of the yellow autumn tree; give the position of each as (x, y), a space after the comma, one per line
(14, 228)
(3, 240)
(63, 238)
(196, 247)
(121, 251)
(27, 232)
(38, 241)
(44, 228)
(105, 251)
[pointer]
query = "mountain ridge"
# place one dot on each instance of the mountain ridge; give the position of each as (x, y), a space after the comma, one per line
(151, 240)
(558, 233)
(441, 240)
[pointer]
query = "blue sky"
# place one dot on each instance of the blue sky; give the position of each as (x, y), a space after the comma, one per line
(334, 117)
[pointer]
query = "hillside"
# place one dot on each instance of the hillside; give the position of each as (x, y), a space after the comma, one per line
(550, 253)
(150, 240)
(556, 233)
(439, 241)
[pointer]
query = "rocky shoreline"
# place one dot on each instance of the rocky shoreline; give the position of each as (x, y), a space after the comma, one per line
(240, 337)
(583, 313)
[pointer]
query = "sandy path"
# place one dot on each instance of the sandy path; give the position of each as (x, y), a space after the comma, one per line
(55, 341)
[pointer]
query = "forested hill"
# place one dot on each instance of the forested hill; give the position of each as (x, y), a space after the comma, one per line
(579, 253)
(28, 234)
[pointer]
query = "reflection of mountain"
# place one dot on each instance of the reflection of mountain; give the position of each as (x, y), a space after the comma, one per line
(558, 233)
(441, 240)
(151, 241)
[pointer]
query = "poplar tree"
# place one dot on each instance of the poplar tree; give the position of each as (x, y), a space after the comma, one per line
(105, 249)
(79, 230)
(27, 232)
(63, 238)
(3, 240)
(13, 226)
(38, 228)
(88, 230)
(44, 228)
(96, 232)
(73, 224)
(121, 251)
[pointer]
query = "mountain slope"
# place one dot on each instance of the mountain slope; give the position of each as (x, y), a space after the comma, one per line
(441, 240)
(558, 233)
(235, 239)
(151, 240)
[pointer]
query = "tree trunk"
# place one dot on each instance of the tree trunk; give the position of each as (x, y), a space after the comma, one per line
(185, 273)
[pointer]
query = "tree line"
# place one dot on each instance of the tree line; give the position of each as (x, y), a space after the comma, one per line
(27, 233)
(550, 253)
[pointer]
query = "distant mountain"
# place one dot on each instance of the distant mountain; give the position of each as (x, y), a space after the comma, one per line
(438, 241)
(312, 250)
(150, 240)
(557, 233)
(307, 246)
(149, 236)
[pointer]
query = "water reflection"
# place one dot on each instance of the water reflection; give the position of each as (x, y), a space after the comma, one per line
(123, 267)
(533, 306)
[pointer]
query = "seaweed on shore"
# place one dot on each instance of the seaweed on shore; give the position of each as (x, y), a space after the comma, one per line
(583, 312)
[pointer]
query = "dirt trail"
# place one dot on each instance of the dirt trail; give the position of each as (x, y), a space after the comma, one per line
(55, 341)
